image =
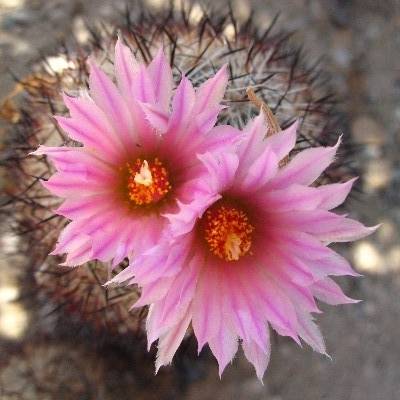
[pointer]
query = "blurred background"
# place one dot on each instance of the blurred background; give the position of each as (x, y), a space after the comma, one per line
(360, 44)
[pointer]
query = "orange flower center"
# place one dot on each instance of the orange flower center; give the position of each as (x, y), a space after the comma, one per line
(227, 232)
(147, 181)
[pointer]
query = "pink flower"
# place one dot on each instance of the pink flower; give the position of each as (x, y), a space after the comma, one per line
(250, 251)
(138, 158)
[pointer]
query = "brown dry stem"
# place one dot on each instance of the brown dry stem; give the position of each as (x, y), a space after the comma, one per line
(272, 122)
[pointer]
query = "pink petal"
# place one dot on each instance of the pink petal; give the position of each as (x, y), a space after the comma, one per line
(122, 251)
(219, 137)
(211, 92)
(153, 292)
(50, 151)
(79, 256)
(182, 106)
(143, 86)
(83, 207)
(160, 74)
(157, 118)
(299, 295)
(162, 261)
(310, 332)
(183, 221)
(125, 277)
(224, 346)
(301, 244)
(170, 341)
(260, 172)
(274, 305)
(334, 194)
(324, 225)
(68, 236)
(259, 357)
(253, 144)
(69, 185)
(153, 327)
(107, 238)
(332, 265)
(207, 306)
(108, 98)
(180, 294)
(204, 122)
(291, 266)
(75, 243)
(329, 292)
(305, 167)
(222, 168)
(282, 143)
(295, 197)
(89, 125)
(244, 309)
(125, 68)
(77, 159)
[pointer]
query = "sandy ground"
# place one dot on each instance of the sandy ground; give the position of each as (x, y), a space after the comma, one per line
(360, 42)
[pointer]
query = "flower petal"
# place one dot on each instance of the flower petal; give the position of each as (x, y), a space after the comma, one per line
(222, 168)
(107, 97)
(224, 346)
(170, 341)
(310, 332)
(335, 264)
(153, 292)
(262, 170)
(182, 106)
(329, 292)
(281, 143)
(162, 260)
(89, 125)
(156, 116)
(305, 167)
(160, 74)
(324, 225)
(295, 197)
(334, 194)
(125, 68)
(183, 221)
(180, 293)
(253, 144)
(259, 357)
(274, 304)
(143, 86)
(248, 322)
(211, 92)
(207, 306)
(301, 244)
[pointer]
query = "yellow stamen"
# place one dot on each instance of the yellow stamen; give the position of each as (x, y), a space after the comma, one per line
(148, 181)
(227, 232)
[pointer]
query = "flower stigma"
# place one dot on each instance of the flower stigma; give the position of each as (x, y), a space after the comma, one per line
(148, 181)
(144, 177)
(227, 232)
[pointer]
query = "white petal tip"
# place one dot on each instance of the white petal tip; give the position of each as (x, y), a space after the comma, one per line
(338, 143)
(372, 229)
(67, 264)
(109, 283)
(200, 347)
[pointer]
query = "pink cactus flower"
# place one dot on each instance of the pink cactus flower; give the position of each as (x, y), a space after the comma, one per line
(248, 253)
(138, 157)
